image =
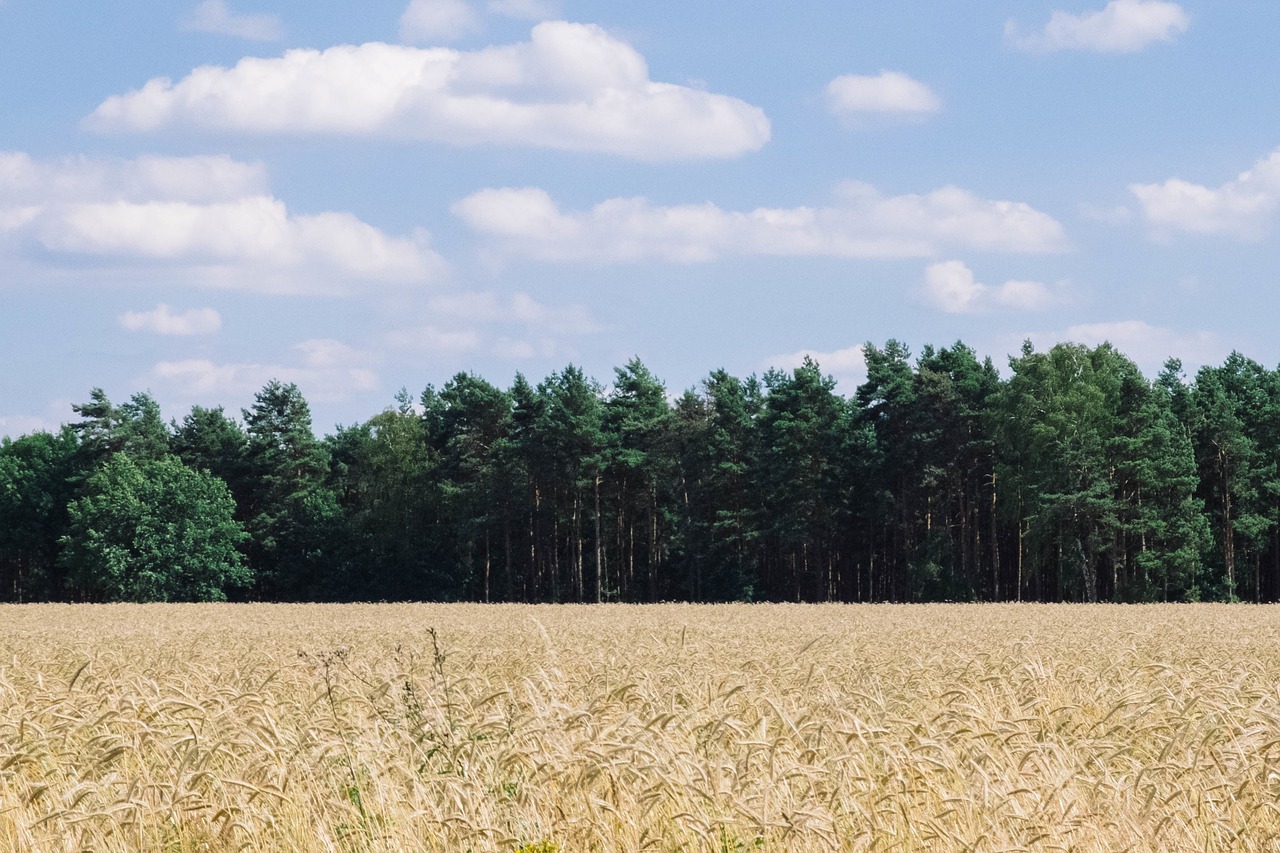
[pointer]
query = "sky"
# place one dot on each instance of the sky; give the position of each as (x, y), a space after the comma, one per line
(198, 197)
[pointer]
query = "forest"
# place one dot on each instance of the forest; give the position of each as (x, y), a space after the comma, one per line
(1071, 478)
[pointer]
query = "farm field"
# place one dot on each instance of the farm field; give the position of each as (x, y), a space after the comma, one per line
(670, 727)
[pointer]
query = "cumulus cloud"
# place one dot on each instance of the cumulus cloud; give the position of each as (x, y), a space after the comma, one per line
(950, 287)
(890, 92)
(163, 320)
(214, 16)
(326, 371)
(847, 366)
(210, 216)
(572, 87)
(437, 20)
(1123, 26)
(1239, 208)
(862, 223)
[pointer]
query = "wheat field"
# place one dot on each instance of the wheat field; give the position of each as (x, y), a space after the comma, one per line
(672, 727)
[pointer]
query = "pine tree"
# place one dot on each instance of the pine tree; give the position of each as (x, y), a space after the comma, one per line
(293, 516)
(640, 464)
(571, 427)
(471, 421)
(385, 479)
(802, 427)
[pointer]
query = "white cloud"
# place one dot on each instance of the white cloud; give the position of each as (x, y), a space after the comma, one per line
(950, 287)
(522, 350)
(147, 178)
(847, 366)
(519, 308)
(13, 218)
(163, 321)
(1239, 208)
(214, 16)
(1115, 215)
(572, 87)
(210, 217)
(891, 92)
(14, 426)
(1147, 345)
(437, 20)
(532, 10)
(862, 224)
(326, 371)
(465, 322)
(1124, 26)
(431, 338)
(56, 413)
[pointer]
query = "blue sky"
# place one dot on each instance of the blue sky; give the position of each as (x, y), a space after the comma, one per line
(198, 197)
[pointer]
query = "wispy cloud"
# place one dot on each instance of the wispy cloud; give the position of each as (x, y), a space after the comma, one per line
(325, 370)
(862, 224)
(1148, 345)
(163, 320)
(16, 425)
(1123, 26)
(532, 10)
(214, 16)
(512, 327)
(427, 21)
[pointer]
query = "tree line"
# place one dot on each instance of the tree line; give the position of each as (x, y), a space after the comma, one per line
(1073, 479)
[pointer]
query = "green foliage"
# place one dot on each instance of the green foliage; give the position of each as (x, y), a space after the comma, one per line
(1073, 479)
(297, 529)
(541, 846)
(1235, 427)
(469, 424)
(802, 425)
(38, 473)
(153, 531)
(384, 477)
(208, 440)
(135, 427)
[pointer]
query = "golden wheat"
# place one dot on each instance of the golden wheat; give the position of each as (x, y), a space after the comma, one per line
(675, 727)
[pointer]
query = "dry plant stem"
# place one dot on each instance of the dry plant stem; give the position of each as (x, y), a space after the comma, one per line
(673, 727)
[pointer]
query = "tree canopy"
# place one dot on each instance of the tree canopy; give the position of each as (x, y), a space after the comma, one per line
(1071, 478)
(153, 531)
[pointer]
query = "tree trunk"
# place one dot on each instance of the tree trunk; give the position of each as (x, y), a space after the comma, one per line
(653, 542)
(599, 547)
(575, 555)
(1088, 558)
(487, 565)
(1228, 537)
(555, 554)
(506, 542)
(995, 544)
